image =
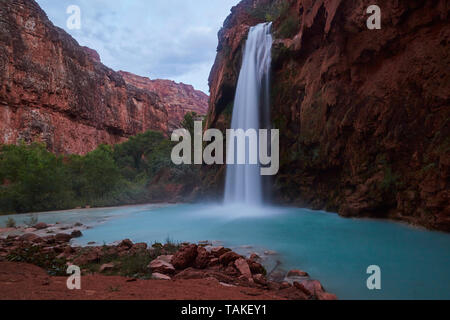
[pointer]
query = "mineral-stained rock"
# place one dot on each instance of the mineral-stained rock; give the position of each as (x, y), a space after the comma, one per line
(218, 251)
(185, 257)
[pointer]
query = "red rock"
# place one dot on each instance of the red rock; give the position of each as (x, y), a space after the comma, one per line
(140, 246)
(218, 251)
(177, 98)
(260, 279)
(160, 266)
(72, 102)
(202, 259)
(185, 257)
(76, 234)
(127, 244)
(30, 237)
(63, 237)
(376, 172)
(41, 226)
(228, 258)
(213, 262)
(256, 267)
(243, 268)
(297, 273)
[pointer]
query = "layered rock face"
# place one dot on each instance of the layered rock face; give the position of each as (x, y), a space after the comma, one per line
(177, 98)
(363, 114)
(55, 91)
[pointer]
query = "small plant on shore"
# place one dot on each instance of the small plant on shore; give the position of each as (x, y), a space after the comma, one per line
(10, 223)
(32, 220)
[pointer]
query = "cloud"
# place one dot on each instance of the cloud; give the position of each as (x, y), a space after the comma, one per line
(166, 39)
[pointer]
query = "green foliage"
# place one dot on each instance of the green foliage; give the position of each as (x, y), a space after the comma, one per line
(288, 28)
(10, 223)
(270, 11)
(33, 179)
(34, 255)
(32, 220)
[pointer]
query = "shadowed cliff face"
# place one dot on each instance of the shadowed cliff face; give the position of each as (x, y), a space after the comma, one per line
(55, 91)
(363, 114)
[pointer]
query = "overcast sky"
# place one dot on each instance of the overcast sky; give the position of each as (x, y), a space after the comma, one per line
(160, 39)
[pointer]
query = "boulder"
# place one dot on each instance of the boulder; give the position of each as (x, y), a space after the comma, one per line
(218, 251)
(41, 226)
(297, 273)
(260, 279)
(140, 246)
(243, 268)
(213, 262)
(63, 237)
(202, 259)
(185, 257)
(126, 244)
(256, 267)
(228, 257)
(159, 276)
(76, 234)
(30, 237)
(160, 266)
(166, 258)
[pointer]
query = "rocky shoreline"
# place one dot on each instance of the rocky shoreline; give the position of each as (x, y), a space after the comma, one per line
(49, 247)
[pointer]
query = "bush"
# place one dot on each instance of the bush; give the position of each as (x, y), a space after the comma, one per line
(10, 223)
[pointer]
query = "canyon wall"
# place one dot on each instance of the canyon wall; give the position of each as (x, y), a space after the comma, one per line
(54, 91)
(177, 98)
(363, 114)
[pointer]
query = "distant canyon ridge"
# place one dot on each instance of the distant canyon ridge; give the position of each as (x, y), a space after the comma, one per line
(55, 91)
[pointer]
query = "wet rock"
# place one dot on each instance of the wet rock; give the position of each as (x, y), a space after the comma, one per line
(76, 234)
(185, 257)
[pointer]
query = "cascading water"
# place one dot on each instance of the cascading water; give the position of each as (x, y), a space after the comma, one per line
(244, 183)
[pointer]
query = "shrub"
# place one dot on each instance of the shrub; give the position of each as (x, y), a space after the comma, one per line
(10, 223)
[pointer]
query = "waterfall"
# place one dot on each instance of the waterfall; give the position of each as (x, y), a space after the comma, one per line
(251, 110)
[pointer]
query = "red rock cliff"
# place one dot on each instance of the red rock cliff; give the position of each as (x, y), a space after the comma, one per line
(363, 114)
(177, 98)
(55, 91)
